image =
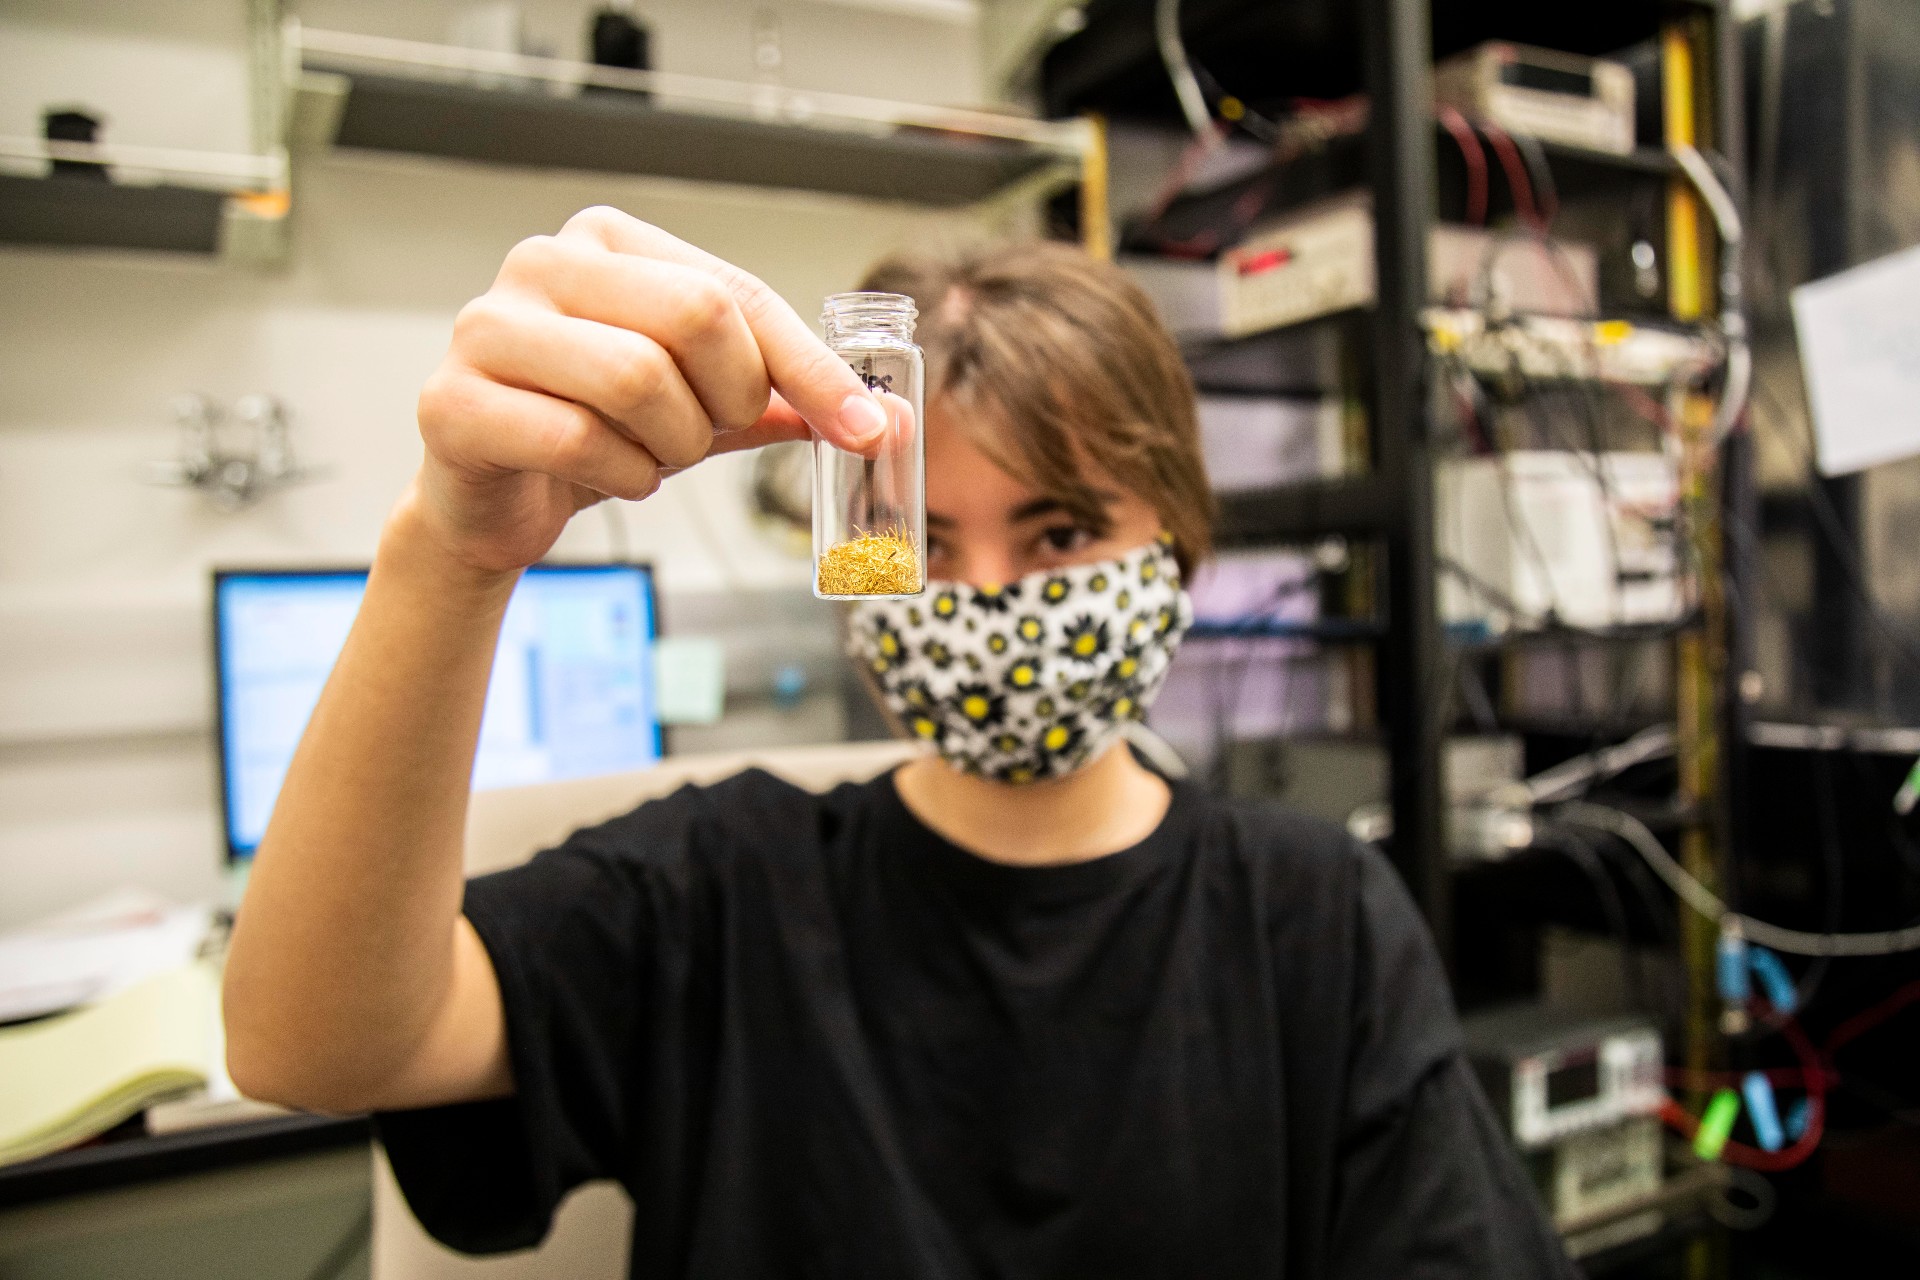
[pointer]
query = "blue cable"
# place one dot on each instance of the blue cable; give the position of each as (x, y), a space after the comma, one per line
(1762, 1110)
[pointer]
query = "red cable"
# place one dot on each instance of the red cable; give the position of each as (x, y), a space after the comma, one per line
(1475, 157)
(1471, 415)
(1517, 180)
(1813, 1073)
(1866, 1020)
(1183, 166)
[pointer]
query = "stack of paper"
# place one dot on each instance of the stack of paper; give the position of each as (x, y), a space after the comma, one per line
(94, 951)
(70, 1077)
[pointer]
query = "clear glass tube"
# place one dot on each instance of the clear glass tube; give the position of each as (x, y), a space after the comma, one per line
(870, 509)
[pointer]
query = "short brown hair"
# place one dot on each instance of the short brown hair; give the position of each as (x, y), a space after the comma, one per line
(1054, 359)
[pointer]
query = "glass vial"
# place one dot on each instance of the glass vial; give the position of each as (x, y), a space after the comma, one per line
(870, 509)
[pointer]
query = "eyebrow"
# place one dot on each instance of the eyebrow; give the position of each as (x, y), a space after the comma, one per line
(1029, 510)
(1049, 506)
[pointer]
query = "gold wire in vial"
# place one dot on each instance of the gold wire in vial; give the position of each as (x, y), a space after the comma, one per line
(871, 564)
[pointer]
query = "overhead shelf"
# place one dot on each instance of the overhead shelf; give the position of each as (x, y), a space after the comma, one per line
(152, 198)
(420, 99)
(75, 213)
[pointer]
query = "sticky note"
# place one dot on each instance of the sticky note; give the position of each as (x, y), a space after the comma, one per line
(1860, 351)
(689, 679)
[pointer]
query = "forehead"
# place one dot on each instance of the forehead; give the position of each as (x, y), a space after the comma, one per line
(961, 477)
(964, 477)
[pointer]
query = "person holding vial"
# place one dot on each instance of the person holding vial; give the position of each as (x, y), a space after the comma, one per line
(1022, 1007)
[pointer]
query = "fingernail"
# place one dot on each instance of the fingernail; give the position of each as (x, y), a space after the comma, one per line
(862, 417)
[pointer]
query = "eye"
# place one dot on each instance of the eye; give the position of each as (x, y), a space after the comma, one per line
(1065, 539)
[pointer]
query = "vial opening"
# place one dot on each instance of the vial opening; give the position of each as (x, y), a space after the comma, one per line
(880, 314)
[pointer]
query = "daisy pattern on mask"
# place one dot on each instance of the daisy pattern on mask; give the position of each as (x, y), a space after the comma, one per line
(1086, 639)
(994, 597)
(1061, 739)
(935, 650)
(1055, 590)
(916, 695)
(1024, 674)
(1030, 629)
(945, 604)
(982, 707)
(886, 648)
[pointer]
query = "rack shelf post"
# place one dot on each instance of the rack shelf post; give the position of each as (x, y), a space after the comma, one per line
(1397, 56)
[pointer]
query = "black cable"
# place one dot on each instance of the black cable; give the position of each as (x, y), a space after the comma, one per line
(1553, 837)
(1833, 865)
(1645, 888)
(1267, 131)
(1223, 707)
(1546, 193)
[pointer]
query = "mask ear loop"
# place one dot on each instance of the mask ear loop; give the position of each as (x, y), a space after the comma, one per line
(1159, 752)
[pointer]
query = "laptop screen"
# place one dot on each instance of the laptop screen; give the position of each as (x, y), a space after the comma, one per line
(571, 694)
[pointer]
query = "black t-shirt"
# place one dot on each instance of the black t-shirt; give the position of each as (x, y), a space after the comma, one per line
(812, 1038)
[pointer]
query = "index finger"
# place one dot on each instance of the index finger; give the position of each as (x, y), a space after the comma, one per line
(808, 375)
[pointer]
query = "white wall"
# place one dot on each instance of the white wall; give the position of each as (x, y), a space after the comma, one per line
(106, 771)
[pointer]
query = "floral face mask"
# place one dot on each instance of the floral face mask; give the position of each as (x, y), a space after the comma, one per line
(1032, 679)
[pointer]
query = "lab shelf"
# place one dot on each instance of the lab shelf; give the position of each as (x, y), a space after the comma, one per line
(79, 213)
(402, 96)
(156, 198)
(1357, 506)
(1296, 360)
(1192, 220)
(1321, 631)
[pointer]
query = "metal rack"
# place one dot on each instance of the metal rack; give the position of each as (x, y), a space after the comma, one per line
(1310, 46)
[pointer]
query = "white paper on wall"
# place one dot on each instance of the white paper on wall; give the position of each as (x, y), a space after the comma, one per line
(1860, 352)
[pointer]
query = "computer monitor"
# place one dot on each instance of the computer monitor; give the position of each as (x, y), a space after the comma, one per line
(571, 695)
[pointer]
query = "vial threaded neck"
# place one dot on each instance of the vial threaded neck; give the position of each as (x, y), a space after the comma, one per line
(891, 315)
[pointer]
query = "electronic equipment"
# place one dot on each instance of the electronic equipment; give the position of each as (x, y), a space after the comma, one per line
(1320, 260)
(571, 695)
(1542, 93)
(1535, 537)
(1186, 292)
(1551, 1073)
(1261, 442)
(1556, 347)
(1579, 1097)
(1489, 815)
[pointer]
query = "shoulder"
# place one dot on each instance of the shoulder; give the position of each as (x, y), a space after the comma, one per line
(1283, 847)
(1318, 877)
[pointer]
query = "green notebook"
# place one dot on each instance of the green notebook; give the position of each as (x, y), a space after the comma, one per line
(67, 1078)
